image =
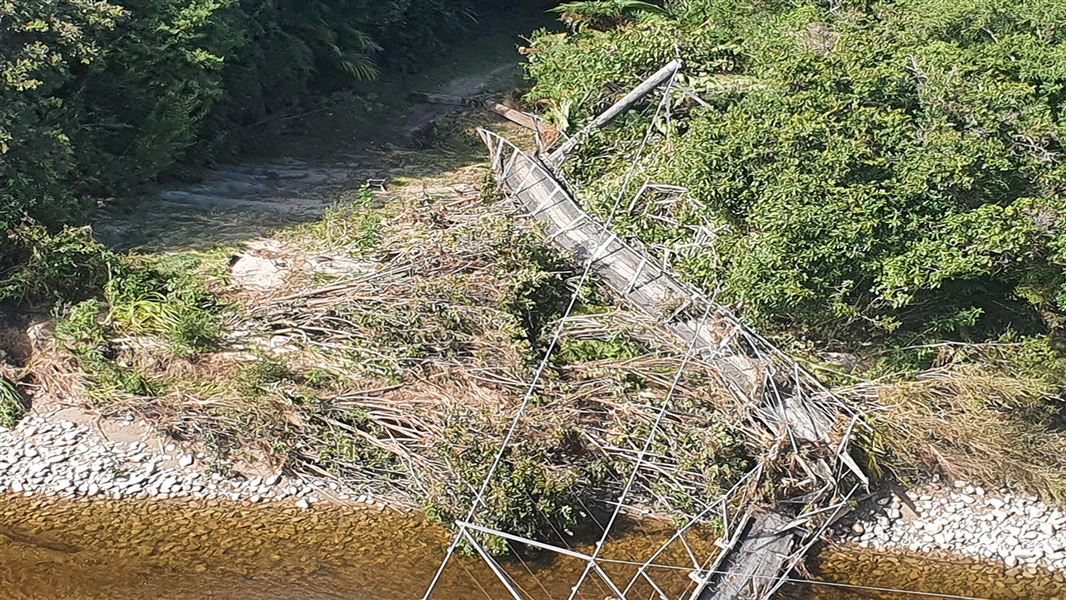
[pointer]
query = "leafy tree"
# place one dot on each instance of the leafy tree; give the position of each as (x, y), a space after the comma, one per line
(98, 96)
(603, 14)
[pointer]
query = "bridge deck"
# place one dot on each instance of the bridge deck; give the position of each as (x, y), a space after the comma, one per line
(779, 397)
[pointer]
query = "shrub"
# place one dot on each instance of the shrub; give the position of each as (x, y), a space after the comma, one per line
(66, 266)
(890, 164)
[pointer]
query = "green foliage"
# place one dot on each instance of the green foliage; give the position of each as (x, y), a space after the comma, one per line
(712, 451)
(38, 266)
(141, 103)
(42, 45)
(535, 277)
(97, 97)
(576, 351)
(538, 490)
(602, 14)
(144, 300)
(891, 166)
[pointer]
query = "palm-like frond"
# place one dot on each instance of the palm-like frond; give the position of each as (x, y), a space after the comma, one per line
(601, 14)
(359, 65)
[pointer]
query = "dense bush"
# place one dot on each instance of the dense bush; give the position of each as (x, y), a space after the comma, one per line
(890, 164)
(97, 96)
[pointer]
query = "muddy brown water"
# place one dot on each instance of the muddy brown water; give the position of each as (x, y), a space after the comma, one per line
(53, 549)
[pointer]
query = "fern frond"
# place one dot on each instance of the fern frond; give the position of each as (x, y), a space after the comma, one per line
(603, 14)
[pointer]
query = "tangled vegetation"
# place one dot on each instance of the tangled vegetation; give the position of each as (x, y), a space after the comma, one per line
(879, 183)
(392, 358)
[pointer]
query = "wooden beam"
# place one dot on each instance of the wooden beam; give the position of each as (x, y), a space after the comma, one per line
(754, 564)
(646, 87)
(516, 116)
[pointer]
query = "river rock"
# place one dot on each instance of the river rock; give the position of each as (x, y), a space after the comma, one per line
(1019, 530)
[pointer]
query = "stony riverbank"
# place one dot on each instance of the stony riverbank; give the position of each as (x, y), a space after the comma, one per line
(1020, 531)
(49, 455)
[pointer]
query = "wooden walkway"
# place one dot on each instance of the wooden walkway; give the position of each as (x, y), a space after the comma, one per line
(780, 399)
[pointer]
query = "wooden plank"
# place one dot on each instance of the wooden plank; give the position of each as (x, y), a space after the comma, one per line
(516, 116)
(754, 565)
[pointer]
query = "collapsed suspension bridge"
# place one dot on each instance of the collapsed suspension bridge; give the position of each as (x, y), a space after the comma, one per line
(801, 429)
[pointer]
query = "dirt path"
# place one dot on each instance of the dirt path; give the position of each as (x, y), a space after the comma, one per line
(239, 202)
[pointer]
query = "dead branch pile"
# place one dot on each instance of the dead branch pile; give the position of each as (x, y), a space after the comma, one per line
(400, 372)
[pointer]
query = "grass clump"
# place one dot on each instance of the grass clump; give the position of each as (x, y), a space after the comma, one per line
(146, 313)
(355, 225)
(83, 331)
(174, 307)
(985, 413)
(12, 404)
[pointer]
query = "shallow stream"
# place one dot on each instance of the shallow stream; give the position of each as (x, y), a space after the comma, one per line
(55, 549)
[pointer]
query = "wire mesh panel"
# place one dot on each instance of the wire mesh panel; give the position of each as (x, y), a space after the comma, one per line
(728, 546)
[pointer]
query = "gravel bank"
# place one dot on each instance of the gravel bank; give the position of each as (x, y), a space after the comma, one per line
(52, 456)
(1023, 533)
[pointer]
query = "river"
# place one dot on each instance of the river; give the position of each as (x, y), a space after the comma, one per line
(63, 549)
